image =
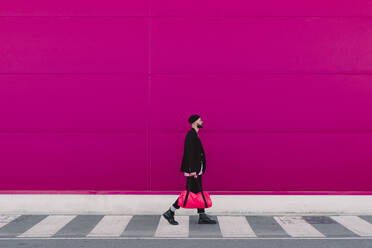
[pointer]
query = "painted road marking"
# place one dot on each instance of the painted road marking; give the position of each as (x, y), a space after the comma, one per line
(296, 226)
(6, 218)
(355, 224)
(165, 229)
(110, 225)
(48, 226)
(155, 226)
(235, 226)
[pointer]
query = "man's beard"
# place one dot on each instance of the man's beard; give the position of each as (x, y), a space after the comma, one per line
(199, 126)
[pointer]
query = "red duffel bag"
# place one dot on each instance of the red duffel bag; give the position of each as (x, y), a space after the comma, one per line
(188, 199)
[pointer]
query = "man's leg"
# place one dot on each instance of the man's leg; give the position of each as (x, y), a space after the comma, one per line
(203, 217)
(201, 210)
(169, 214)
(175, 205)
(197, 182)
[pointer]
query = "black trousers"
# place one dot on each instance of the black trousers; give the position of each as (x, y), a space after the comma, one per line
(194, 187)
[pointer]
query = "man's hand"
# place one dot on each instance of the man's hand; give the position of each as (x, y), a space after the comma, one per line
(194, 174)
(191, 174)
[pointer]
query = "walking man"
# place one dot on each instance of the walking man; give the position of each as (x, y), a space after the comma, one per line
(193, 166)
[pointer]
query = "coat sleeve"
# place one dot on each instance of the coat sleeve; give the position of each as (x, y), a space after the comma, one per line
(204, 161)
(191, 156)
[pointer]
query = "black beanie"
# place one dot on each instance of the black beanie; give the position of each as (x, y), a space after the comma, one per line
(193, 118)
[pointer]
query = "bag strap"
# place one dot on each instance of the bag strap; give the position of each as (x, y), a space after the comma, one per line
(202, 193)
(188, 191)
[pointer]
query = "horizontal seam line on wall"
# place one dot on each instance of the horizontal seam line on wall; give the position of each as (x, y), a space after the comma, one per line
(186, 16)
(169, 131)
(274, 131)
(75, 73)
(187, 73)
(267, 73)
(72, 131)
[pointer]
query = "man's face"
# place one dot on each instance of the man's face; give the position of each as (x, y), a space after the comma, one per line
(199, 123)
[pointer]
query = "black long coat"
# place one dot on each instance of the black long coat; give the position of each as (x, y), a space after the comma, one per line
(193, 153)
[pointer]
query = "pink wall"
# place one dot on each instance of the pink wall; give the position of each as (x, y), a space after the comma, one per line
(95, 98)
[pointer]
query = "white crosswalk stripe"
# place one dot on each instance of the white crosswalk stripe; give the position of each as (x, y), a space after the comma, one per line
(165, 229)
(110, 226)
(229, 226)
(48, 226)
(6, 218)
(235, 226)
(355, 224)
(296, 226)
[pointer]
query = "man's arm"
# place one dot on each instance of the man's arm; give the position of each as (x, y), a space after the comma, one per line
(190, 153)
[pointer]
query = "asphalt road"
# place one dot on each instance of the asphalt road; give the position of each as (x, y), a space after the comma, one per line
(154, 231)
(183, 243)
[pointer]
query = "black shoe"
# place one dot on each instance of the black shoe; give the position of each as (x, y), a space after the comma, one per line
(205, 219)
(169, 216)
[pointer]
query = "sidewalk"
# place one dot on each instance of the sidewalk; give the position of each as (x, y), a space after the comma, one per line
(157, 204)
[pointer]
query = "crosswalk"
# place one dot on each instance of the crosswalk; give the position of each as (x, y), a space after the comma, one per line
(296, 226)
(155, 226)
(110, 226)
(5, 219)
(235, 226)
(48, 226)
(355, 224)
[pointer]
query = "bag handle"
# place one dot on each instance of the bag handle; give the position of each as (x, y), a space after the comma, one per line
(188, 192)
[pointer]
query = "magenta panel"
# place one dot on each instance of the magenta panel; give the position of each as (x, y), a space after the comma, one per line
(73, 102)
(268, 161)
(261, 45)
(261, 8)
(73, 45)
(73, 161)
(255, 102)
(74, 8)
(95, 97)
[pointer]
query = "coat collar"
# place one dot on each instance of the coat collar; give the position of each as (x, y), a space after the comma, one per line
(195, 132)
